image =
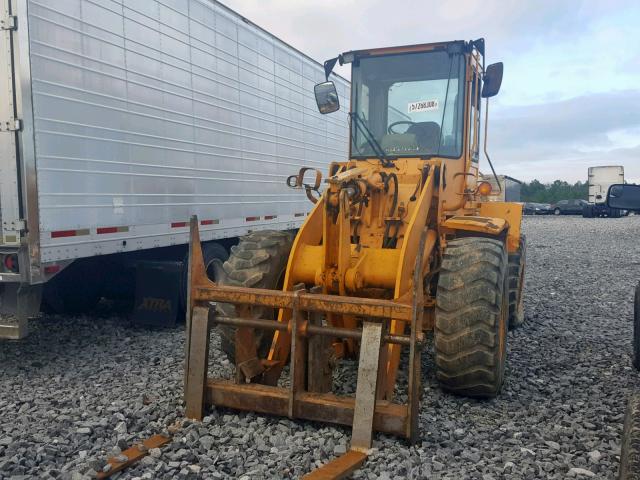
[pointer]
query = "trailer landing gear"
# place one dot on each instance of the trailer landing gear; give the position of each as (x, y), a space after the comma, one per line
(18, 303)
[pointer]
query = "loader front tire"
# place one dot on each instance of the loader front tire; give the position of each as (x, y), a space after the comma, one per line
(259, 260)
(472, 307)
(517, 266)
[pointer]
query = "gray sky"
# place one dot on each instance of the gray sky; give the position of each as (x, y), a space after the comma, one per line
(571, 91)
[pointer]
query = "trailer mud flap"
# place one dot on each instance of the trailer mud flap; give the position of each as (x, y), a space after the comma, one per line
(158, 286)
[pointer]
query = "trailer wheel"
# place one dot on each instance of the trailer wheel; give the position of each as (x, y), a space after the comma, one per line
(258, 261)
(630, 449)
(213, 255)
(77, 289)
(471, 317)
(636, 329)
(517, 266)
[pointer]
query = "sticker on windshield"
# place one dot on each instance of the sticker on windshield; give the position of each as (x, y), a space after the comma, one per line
(423, 106)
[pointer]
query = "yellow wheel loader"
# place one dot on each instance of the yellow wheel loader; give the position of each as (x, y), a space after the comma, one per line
(398, 251)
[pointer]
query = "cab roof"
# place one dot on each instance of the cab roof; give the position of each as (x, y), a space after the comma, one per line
(455, 45)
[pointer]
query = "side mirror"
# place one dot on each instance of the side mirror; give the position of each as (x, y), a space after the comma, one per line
(624, 196)
(492, 80)
(327, 97)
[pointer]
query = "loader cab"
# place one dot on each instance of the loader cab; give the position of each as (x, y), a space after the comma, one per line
(411, 103)
(418, 101)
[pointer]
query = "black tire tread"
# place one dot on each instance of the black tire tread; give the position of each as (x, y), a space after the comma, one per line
(257, 261)
(517, 267)
(470, 310)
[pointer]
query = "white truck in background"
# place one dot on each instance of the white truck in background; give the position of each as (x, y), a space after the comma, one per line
(599, 181)
(121, 120)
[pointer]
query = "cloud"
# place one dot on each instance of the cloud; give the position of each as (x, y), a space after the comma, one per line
(323, 29)
(561, 139)
(585, 120)
(570, 165)
(570, 94)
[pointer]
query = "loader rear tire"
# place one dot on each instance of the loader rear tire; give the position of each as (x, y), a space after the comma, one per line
(471, 317)
(630, 449)
(517, 266)
(259, 260)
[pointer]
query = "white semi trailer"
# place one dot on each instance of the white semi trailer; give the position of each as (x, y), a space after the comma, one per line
(599, 181)
(120, 120)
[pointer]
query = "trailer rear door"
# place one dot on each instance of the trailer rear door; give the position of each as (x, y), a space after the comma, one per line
(9, 126)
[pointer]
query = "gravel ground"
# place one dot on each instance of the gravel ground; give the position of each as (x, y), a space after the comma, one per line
(79, 389)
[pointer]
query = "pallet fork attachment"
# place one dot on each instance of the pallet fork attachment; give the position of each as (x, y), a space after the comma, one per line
(306, 397)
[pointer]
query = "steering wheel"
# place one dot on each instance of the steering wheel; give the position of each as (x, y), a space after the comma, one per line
(394, 124)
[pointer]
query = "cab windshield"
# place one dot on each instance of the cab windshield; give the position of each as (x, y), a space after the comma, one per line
(408, 105)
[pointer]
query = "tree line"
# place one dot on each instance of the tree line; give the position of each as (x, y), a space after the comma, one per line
(538, 192)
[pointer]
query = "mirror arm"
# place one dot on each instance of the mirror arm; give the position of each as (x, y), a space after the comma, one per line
(486, 154)
(328, 67)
